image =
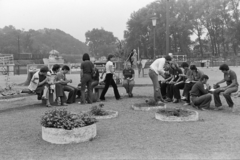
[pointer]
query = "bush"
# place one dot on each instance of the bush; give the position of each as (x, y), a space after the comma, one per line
(61, 118)
(98, 110)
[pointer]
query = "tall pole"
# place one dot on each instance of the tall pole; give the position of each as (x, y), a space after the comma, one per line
(167, 26)
(154, 54)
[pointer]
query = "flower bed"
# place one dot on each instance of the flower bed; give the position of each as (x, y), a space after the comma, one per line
(176, 115)
(149, 105)
(99, 113)
(62, 127)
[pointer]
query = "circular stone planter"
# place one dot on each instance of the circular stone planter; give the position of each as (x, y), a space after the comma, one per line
(146, 107)
(192, 116)
(112, 114)
(62, 136)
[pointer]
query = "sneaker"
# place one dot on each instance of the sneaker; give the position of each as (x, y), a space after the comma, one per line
(176, 101)
(218, 108)
(118, 98)
(186, 104)
(64, 104)
(168, 100)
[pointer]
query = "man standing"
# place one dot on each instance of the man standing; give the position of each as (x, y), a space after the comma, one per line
(199, 96)
(157, 68)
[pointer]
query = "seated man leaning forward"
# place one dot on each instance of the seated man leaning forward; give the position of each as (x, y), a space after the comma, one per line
(61, 83)
(128, 80)
(200, 97)
(230, 78)
(157, 68)
(39, 83)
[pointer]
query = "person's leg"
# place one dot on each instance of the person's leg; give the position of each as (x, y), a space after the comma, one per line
(115, 89)
(59, 92)
(45, 90)
(187, 89)
(203, 101)
(227, 95)
(216, 97)
(71, 93)
(94, 84)
(125, 85)
(163, 89)
(108, 80)
(83, 87)
(156, 86)
(170, 92)
(89, 87)
(131, 85)
(176, 91)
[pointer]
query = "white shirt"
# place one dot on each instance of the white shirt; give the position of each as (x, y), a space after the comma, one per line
(108, 65)
(158, 65)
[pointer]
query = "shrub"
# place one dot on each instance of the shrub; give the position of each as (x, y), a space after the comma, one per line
(174, 112)
(98, 110)
(61, 118)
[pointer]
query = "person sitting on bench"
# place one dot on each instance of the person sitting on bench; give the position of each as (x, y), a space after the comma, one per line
(62, 85)
(128, 82)
(230, 78)
(200, 97)
(181, 83)
(38, 83)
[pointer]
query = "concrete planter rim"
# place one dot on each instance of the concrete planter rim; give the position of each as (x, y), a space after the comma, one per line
(147, 108)
(113, 115)
(192, 117)
(63, 136)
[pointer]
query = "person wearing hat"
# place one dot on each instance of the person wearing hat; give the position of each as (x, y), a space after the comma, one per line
(157, 68)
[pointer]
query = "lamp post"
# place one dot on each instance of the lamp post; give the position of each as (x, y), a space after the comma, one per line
(167, 27)
(154, 21)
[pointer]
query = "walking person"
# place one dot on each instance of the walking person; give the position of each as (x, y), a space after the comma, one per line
(230, 78)
(87, 71)
(128, 82)
(200, 97)
(157, 68)
(109, 79)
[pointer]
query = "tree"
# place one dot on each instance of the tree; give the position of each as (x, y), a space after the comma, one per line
(101, 42)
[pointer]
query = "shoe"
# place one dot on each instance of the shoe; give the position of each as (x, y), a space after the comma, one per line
(64, 104)
(176, 101)
(44, 98)
(48, 105)
(168, 100)
(201, 109)
(218, 108)
(118, 98)
(81, 103)
(186, 104)
(102, 99)
(131, 95)
(233, 108)
(183, 98)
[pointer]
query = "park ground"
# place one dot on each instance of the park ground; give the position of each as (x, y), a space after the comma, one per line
(132, 135)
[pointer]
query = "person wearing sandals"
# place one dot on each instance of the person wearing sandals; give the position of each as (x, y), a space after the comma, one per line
(87, 70)
(230, 78)
(128, 81)
(109, 79)
(156, 69)
(39, 82)
(63, 81)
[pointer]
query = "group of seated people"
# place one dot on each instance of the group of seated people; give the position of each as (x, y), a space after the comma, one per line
(194, 83)
(46, 80)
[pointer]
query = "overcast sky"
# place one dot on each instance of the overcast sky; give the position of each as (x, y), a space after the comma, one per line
(74, 17)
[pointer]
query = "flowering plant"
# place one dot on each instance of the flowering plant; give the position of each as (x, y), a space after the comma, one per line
(61, 118)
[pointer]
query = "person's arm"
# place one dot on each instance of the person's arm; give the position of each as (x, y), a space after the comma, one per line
(44, 81)
(201, 88)
(112, 71)
(161, 67)
(233, 77)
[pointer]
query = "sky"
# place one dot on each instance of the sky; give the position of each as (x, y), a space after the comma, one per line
(74, 17)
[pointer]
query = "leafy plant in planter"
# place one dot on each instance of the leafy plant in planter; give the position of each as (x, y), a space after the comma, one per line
(61, 118)
(174, 112)
(98, 110)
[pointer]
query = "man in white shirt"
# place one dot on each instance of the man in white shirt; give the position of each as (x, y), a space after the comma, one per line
(157, 68)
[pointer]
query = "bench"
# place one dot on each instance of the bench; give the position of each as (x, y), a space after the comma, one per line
(98, 89)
